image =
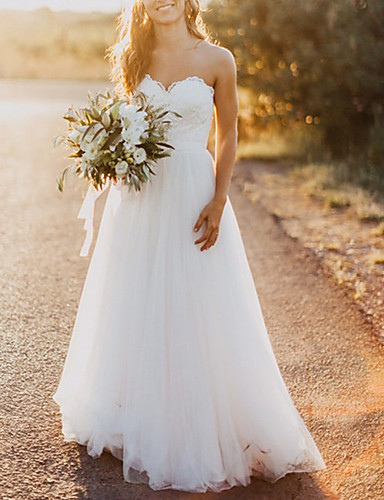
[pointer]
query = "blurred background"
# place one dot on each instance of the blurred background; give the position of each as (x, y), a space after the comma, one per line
(310, 72)
(310, 153)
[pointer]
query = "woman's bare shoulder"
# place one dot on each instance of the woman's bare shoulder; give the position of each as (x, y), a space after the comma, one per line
(220, 61)
(216, 54)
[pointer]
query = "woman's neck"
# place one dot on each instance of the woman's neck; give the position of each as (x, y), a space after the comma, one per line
(169, 37)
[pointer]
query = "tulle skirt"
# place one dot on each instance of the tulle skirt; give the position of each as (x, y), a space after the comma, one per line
(170, 367)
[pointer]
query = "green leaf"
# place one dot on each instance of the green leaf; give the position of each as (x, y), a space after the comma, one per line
(70, 118)
(58, 140)
(112, 138)
(60, 180)
(98, 132)
(164, 144)
(78, 154)
(115, 110)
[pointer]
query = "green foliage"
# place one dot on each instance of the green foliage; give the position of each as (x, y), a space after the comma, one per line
(311, 64)
(132, 134)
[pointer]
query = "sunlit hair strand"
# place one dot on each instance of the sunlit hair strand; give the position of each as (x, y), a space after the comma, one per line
(130, 56)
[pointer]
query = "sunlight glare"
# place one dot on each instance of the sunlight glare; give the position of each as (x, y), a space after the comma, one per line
(84, 5)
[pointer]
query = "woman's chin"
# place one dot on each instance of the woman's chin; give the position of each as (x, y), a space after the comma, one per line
(168, 16)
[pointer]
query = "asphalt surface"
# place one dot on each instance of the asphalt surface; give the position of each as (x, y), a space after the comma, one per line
(327, 353)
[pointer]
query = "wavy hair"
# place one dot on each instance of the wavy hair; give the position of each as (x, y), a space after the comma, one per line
(129, 57)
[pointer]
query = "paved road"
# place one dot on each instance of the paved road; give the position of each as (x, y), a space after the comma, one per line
(327, 353)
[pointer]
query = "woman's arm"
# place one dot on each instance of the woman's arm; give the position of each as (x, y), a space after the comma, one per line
(226, 110)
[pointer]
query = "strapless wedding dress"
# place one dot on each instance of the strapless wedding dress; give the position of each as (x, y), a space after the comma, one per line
(170, 367)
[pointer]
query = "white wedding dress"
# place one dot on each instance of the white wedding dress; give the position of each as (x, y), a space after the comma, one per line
(170, 367)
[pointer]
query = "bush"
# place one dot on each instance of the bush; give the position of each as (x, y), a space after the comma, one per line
(312, 64)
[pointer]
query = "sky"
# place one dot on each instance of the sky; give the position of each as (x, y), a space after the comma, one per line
(78, 5)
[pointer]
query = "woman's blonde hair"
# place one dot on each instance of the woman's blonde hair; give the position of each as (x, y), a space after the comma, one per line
(129, 57)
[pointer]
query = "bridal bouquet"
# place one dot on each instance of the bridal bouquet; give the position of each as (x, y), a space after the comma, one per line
(115, 139)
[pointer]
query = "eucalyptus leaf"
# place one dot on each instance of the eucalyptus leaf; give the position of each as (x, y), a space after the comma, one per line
(101, 129)
(70, 118)
(79, 154)
(58, 140)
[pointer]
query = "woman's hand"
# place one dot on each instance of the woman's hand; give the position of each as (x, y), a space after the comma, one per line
(211, 214)
(226, 111)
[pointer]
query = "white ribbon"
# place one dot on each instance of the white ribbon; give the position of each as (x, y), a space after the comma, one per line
(86, 212)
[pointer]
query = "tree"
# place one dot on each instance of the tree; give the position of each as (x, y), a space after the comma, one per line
(315, 62)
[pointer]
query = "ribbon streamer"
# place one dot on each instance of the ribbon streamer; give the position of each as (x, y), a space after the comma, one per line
(86, 212)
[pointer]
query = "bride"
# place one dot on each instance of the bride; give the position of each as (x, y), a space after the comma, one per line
(170, 367)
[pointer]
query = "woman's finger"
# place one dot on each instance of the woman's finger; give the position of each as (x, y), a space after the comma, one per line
(211, 239)
(203, 237)
(207, 233)
(199, 221)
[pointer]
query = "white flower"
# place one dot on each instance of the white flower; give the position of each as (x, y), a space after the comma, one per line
(133, 121)
(139, 155)
(128, 112)
(91, 150)
(141, 116)
(131, 113)
(134, 124)
(121, 168)
(74, 135)
(129, 148)
(132, 134)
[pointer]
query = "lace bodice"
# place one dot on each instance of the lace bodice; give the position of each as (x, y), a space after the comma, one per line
(192, 98)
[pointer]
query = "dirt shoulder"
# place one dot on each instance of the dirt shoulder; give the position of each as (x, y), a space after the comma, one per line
(342, 229)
